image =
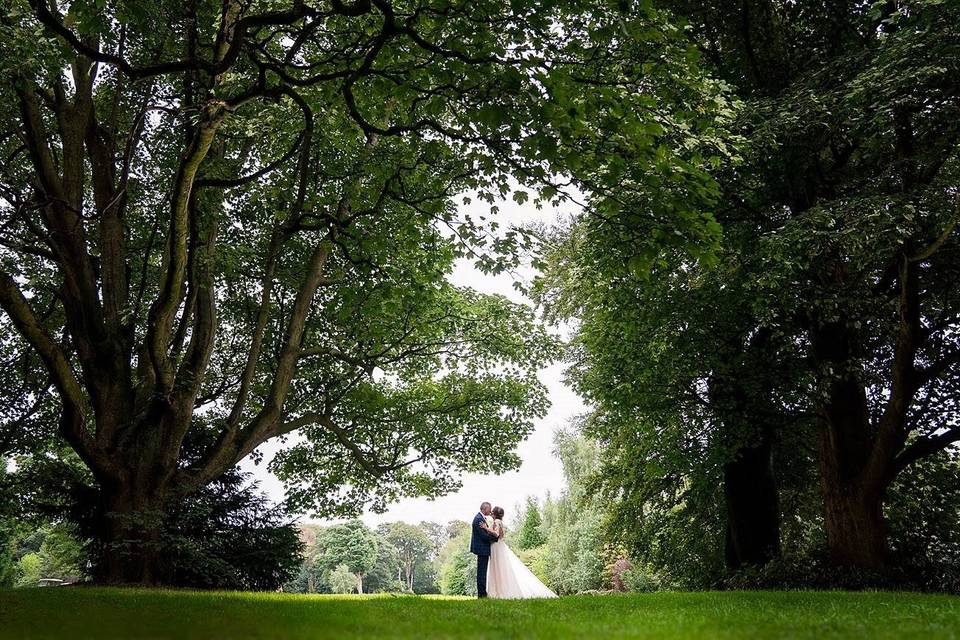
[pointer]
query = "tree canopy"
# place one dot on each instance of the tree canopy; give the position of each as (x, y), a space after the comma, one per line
(238, 218)
(821, 341)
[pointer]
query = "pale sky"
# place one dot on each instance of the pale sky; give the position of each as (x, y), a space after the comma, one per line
(540, 472)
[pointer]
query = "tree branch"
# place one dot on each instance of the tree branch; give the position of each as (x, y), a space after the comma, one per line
(927, 446)
(175, 257)
(57, 364)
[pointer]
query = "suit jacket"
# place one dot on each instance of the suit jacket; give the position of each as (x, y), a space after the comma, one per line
(480, 538)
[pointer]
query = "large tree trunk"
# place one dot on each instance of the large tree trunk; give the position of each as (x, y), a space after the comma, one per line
(856, 530)
(753, 510)
(740, 394)
(852, 495)
(131, 536)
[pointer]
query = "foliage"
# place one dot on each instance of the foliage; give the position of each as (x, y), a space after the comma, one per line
(352, 545)
(383, 577)
(923, 518)
(425, 579)
(229, 536)
(640, 579)
(342, 580)
(824, 326)
(414, 548)
(7, 549)
(63, 553)
(535, 558)
(29, 570)
(53, 551)
(387, 575)
(247, 212)
(923, 515)
(531, 533)
(457, 566)
(225, 536)
(310, 578)
(279, 265)
(574, 555)
(458, 576)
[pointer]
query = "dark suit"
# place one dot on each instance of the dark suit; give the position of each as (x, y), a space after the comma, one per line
(480, 541)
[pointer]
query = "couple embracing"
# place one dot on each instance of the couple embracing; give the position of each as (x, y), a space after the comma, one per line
(500, 573)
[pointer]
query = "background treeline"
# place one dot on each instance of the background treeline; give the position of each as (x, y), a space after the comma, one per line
(353, 558)
(560, 538)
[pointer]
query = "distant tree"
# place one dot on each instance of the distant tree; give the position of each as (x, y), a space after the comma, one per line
(457, 566)
(425, 579)
(48, 551)
(63, 553)
(413, 546)
(353, 545)
(455, 528)
(574, 551)
(437, 533)
(455, 576)
(29, 570)
(309, 578)
(342, 580)
(384, 577)
(308, 533)
(315, 572)
(531, 533)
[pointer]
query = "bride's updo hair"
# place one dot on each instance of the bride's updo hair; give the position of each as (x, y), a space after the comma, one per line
(498, 513)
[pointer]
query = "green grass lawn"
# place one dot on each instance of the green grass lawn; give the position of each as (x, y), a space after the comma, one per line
(76, 613)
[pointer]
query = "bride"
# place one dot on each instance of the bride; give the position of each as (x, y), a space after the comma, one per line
(507, 576)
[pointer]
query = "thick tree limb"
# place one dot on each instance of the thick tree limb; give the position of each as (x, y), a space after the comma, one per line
(57, 364)
(923, 447)
(892, 427)
(236, 443)
(228, 46)
(175, 256)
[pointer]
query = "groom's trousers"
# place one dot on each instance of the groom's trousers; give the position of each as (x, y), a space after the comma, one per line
(482, 562)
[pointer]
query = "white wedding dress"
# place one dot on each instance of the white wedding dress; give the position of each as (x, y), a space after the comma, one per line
(507, 576)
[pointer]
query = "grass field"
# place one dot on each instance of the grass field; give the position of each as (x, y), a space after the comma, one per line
(105, 614)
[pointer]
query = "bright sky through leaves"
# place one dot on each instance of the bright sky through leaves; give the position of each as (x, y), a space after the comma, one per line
(541, 471)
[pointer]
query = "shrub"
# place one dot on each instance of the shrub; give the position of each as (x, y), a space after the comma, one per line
(28, 570)
(640, 578)
(342, 580)
(536, 560)
(815, 572)
(455, 577)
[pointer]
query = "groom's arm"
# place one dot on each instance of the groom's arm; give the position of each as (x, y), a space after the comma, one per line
(481, 524)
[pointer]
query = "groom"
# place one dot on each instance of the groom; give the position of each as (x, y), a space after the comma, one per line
(480, 541)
